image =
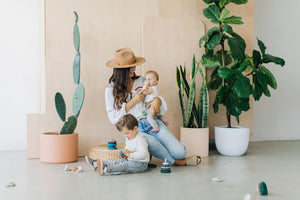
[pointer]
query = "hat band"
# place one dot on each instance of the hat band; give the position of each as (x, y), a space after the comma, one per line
(132, 61)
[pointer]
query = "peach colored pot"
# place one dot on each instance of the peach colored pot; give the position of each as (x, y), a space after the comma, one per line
(196, 140)
(55, 148)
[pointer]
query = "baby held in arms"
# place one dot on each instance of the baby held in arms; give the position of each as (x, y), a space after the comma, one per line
(150, 89)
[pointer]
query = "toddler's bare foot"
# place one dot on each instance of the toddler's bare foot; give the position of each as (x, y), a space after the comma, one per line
(154, 130)
(166, 122)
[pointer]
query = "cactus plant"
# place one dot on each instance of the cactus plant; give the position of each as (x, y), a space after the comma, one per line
(78, 97)
(190, 112)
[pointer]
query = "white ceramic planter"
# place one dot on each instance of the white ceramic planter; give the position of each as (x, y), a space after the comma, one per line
(232, 141)
(196, 140)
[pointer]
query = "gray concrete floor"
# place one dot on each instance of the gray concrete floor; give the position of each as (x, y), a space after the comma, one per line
(276, 163)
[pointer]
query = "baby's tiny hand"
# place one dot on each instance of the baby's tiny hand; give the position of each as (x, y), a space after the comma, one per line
(126, 152)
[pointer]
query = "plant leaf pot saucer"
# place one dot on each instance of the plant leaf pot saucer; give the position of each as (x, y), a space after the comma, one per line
(56, 148)
(232, 141)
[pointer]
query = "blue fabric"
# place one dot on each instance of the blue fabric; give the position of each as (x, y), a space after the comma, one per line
(162, 144)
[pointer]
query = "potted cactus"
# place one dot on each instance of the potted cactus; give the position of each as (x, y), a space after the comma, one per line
(62, 146)
(194, 133)
(236, 76)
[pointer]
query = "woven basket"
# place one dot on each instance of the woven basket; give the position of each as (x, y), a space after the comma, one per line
(101, 151)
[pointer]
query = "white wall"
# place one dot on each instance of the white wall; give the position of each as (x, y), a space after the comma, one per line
(277, 24)
(22, 58)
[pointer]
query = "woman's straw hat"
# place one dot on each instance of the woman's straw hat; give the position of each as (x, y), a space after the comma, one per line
(125, 58)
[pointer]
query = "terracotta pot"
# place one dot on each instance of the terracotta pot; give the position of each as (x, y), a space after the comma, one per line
(196, 140)
(55, 148)
(232, 141)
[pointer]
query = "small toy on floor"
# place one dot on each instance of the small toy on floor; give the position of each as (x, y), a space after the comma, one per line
(165, 167)
(248, 197)
(262, 188)
(216, 179)
(111, 144)
(11, 184)
(77, 169)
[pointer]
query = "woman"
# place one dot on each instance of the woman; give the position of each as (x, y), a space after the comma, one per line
(121, 97)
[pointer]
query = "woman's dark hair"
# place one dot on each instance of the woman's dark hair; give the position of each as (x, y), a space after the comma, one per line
(120, 78)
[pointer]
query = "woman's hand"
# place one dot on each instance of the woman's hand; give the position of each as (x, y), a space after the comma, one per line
(155, 104)
(136, 99)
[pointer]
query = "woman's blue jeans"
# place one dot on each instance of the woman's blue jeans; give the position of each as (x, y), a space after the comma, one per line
(162, 144)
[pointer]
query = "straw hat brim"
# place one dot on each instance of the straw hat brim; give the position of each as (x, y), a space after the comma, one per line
(113, 64)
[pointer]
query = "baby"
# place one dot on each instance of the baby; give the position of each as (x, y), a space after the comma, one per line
(151, 91)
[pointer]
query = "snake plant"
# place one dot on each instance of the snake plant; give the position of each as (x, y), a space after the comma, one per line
(194, 114)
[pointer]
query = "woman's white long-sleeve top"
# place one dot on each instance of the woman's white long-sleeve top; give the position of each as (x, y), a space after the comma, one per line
(114, 115)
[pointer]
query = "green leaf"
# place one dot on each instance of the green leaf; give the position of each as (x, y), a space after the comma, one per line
(216, 105)
(262, 46)
(237, 119)
(266, 91)
(208, 63)
(242, 66)
(76, 37)
(244, 104)
(78, 99)
(212, 12)
(215, 80)
(242, 87)
(193, 69)
(218, 57)
(233, 20)
(211, 1)
(222, 94)
(271, 78)
(69, 126)
(76, 69)
(267, 58)
(224, 14)
(262, 78)
(76, 16)
(202, 39)
(213, 41)
(178, 80)
(257, 92)
(213, 31)
(60, 106)
(191, 100)
(239, 1)
(182, 104)
(232, 105)
(225, 73)
(209, 34)
(223, 3)
(256, 58)
(228, 29)
(237, 48)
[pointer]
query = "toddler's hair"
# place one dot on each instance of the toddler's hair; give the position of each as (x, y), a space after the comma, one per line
(128, 121)
(154, 73)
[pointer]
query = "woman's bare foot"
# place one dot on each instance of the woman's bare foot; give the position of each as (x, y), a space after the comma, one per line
(193, 160)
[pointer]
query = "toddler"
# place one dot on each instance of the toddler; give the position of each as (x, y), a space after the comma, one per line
(151, 91)
(136, 151)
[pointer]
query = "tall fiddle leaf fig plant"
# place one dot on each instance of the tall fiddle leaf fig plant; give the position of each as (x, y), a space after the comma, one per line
(236, 76)
(194, 114)
(78, 97)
